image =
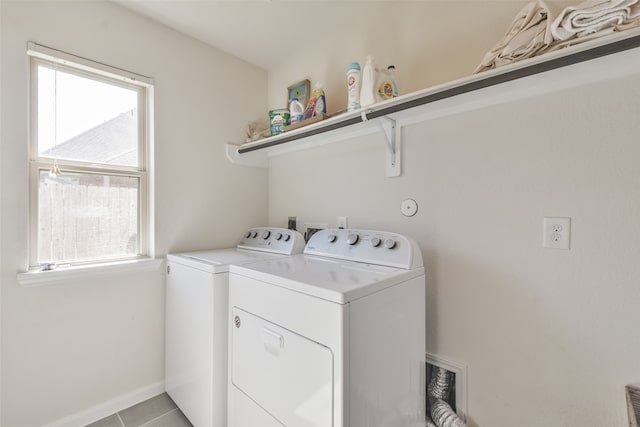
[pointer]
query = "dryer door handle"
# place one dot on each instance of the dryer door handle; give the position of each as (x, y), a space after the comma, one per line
(272, 341)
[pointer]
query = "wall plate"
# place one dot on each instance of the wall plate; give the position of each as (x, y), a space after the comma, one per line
(556, 233)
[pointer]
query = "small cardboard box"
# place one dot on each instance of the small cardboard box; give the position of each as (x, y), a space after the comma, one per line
(306, 122)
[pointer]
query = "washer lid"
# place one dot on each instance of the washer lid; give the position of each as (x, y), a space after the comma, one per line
(218, 261)
(334, 280)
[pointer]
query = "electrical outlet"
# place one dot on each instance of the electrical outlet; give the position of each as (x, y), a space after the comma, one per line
(291, 223)
(556, 233)
(342, 222)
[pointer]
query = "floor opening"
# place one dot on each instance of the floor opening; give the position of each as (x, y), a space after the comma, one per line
(446, 393)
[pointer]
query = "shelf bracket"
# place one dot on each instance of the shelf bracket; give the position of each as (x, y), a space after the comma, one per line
(393, 139)
(392, 134)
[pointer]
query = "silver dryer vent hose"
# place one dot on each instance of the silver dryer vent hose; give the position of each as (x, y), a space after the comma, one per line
(444, 416)
(440, 383)
(438, 392)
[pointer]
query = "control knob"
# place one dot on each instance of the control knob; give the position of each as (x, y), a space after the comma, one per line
(375, 242)
(286, 237)
(266, 235)
(352, 238)
(248, 234)
(254, 235)
(389, 243)
(279, 236)
(332, 238)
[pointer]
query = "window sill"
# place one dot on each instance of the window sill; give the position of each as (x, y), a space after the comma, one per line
(66, 274)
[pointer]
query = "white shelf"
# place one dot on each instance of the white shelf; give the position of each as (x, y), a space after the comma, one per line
(602, 59)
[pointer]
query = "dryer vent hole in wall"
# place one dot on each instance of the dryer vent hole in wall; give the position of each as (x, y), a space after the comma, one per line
(310, 232)
(633, 405)
(441, 397)
(312, 228)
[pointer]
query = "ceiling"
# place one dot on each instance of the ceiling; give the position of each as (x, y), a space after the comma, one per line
(258, 31)
(261, 31)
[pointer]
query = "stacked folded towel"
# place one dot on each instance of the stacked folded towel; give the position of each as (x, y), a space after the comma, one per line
(632, 21)
(590, 17)
(540, 27)
(527, 35)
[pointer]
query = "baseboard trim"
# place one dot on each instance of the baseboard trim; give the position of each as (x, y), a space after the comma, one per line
(109, 407)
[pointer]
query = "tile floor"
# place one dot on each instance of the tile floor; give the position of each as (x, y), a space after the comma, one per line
(159, 411)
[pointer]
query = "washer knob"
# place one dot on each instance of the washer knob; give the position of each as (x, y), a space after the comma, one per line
(279, 236)
(375, 242)
(352, 239)
(254, 234)
(332, 238)
(389, 243)
(286, 237)
(248, 234)
(266, 235)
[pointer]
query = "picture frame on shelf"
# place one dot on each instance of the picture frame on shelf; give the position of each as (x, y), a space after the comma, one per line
(299, 90)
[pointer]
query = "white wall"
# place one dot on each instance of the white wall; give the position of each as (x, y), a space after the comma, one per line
(429, 42)
(549, 336)
(66, 348)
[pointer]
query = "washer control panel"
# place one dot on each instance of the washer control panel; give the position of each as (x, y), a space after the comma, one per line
(368, 246)
(271, 239)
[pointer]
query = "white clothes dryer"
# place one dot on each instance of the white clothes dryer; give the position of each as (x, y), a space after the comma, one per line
(331, 338)
(196, 320)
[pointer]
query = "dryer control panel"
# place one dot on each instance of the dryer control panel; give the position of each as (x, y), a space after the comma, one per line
(367, 246)
(272, 239)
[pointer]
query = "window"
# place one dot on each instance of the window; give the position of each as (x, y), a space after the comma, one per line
(89, 186)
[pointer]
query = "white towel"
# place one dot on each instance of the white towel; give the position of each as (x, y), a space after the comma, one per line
(632, 21)
(634, 12)
(528, 34)
(557, 45)
(590, 17)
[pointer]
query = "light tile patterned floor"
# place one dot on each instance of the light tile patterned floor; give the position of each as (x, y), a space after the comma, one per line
(159, 411)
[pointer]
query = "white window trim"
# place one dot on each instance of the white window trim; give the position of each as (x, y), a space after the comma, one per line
(78, 65)
(92, 271)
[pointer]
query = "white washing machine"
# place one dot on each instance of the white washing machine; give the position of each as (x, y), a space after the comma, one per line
(331, 338)
(196, 320)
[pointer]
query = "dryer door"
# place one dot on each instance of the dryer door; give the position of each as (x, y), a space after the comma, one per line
(288, 375)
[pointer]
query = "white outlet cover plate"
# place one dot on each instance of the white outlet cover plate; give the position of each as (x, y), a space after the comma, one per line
(556, 232)
(342, 222)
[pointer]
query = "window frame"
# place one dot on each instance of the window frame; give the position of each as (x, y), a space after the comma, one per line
(82, 67)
